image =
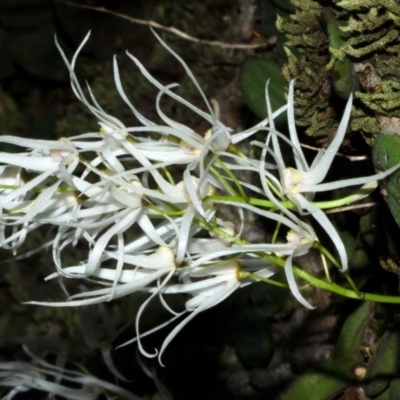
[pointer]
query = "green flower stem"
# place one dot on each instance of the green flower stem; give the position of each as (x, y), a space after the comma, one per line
(232, 176)
(328, 255)
(318, 246)
(168, 175)
(235, 150)
(163, 211)
(344, 292)
(224, 182)
(276, 231)
(353, 293)
(9, 187)
(326, 269)
(251, 200)
(275, 190)
(20, 210)
(351, 283)
(322, 205)
(245, 274)
(61, 188)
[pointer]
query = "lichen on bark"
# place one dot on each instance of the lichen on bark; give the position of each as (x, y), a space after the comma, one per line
(331, 49)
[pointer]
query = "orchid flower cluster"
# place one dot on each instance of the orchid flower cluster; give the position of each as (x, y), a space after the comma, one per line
(38, 374)
(145, 202)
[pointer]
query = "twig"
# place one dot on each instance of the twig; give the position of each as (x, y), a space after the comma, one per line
(351, 158)
(351, 207)
(173, 30)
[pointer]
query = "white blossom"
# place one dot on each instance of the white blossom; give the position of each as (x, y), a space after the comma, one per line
(21, 377)
(301, 183)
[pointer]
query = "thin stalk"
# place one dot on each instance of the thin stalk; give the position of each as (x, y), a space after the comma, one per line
(224, 182)
(233, 177)
(245, 274)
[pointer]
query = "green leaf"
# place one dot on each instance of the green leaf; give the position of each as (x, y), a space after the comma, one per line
(330, 379)
(320, 384)
(394, 389)
(384, 364)
(254, 75)
(386, 154)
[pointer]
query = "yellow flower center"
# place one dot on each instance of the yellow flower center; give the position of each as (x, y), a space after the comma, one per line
(295, 238)
(293, 180)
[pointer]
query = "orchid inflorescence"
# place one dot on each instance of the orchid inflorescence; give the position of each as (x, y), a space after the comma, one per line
(143, 198)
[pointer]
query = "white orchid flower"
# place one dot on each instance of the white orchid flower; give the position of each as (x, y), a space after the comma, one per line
(217, 284)
(23, 201)
(219, 137)
(210, 286)
(149, 268)
(301, 183)
(20, 377)
(190, 147)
